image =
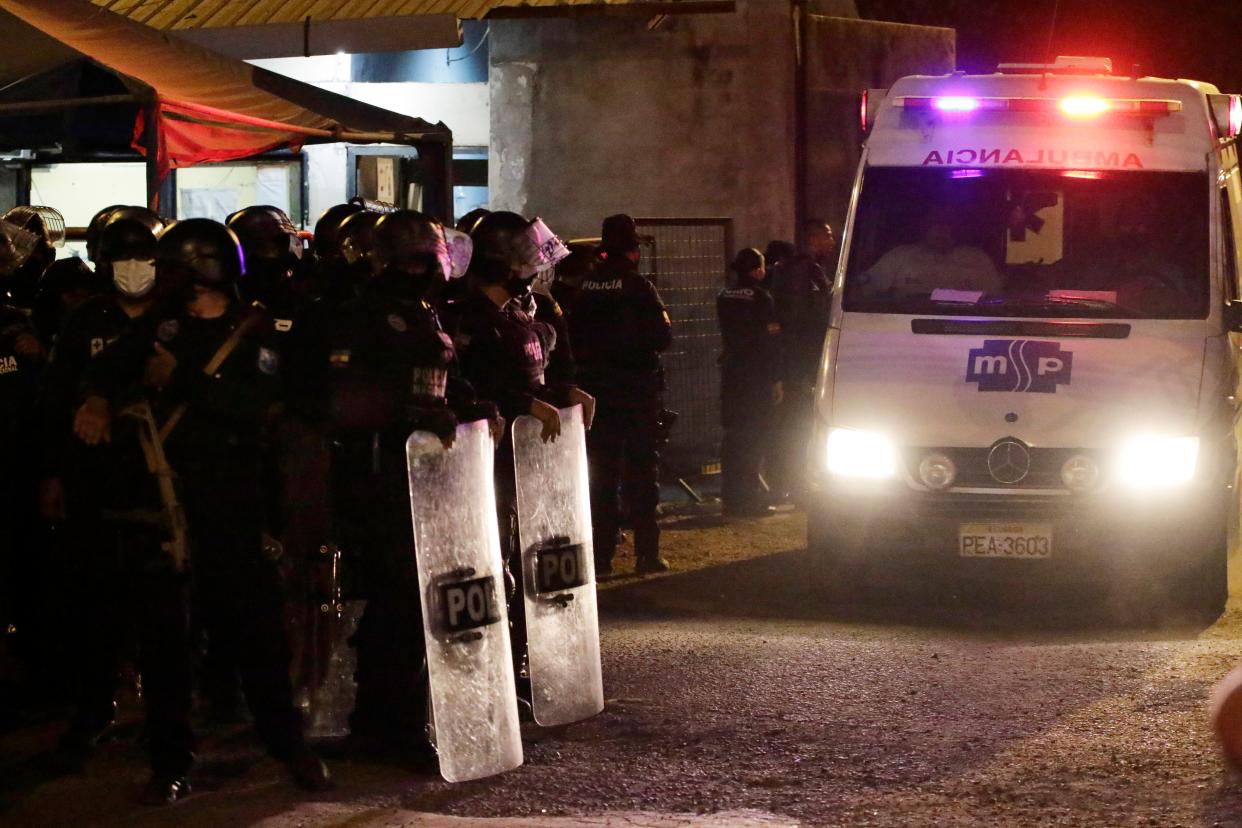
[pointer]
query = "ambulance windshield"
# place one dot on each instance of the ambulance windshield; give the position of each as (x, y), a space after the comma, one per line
(1130, 245)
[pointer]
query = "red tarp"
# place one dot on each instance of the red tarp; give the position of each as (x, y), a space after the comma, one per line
(190, 135)
(210, 107)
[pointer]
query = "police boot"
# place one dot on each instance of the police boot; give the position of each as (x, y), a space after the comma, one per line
(307, 770)
(165, 789)
(78, 743)
(651, 565)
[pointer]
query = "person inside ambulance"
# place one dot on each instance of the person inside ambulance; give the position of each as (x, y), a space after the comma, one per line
(937, 262)
(1137, 263)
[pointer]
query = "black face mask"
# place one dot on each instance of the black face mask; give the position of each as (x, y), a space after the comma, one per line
(408, 284)
(265, 278)
(518, 287)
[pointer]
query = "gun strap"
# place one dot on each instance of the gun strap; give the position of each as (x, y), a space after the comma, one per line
(157, 464)
(213, 365)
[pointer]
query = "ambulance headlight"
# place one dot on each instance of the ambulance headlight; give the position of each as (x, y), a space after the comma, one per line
(861, 454)
(937, 471)
(1156, 461)
(1080, 473)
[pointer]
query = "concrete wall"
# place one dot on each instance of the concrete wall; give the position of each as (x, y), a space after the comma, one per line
(598, 116)
(695, 119)
(844, 57)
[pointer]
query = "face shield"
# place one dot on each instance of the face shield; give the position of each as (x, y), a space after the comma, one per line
(545, 250)
(16, 247)
(459, 249)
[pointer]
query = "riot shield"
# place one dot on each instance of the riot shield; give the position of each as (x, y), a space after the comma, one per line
(469, 660)
(558, 570)
(327, 688)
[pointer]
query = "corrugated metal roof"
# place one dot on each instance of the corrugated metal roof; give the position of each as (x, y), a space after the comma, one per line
(188, 14)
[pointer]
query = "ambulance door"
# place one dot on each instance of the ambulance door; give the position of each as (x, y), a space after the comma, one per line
(1230, 223)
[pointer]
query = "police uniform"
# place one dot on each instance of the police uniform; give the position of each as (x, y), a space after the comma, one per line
(749, 369)
(217, 450)
(504, 354)
(390, 368)
(388, 373)
(802, 289)
(619, 327)
(20, 376)
(119, 571)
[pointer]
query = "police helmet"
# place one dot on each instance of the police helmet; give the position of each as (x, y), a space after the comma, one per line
(410, 241)
(327, 243)
(501, 246)
(46, 222)
(149, 218)
(205, 250)
(469, 221)
(747, 260)
(265, 233)
(71, 274)
(96, 227)
(357, 237)
(125, 238)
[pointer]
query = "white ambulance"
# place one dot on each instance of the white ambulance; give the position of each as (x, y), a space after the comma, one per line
(1031, 369)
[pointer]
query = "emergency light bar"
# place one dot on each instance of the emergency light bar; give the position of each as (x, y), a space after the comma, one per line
(1075, 106)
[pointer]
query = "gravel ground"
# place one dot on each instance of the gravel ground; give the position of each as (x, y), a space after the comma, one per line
(739, 697)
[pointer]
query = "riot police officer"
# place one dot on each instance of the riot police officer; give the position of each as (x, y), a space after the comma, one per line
(22, 358)
(331, 283)
(389, 375)
(357, 238)
(277, 280)
(273, 253)
(22, 361)
(506, 354)
(619, 328)
(101, 495)
(750, 387)
(212, 373)
(802, 288)
(504, 350)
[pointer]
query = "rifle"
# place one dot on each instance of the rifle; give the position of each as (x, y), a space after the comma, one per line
(171, 517)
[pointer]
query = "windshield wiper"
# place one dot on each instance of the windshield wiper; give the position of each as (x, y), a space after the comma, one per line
(1092, 302)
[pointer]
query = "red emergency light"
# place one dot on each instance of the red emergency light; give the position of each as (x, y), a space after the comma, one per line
(1235, 115)
(1074, 106)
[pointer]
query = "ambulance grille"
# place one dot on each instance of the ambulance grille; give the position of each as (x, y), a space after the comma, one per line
(973, 473)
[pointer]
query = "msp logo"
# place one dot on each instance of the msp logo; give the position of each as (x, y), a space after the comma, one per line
(1019, 365)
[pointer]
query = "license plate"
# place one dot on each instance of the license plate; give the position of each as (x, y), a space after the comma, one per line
(1005, 540)
(468, 605)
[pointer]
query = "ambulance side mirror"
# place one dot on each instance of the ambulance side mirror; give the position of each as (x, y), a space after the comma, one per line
(1233, 316)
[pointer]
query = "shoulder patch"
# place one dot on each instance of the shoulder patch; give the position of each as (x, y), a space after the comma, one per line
(269, 361)
(667, 321)
(168, 330)
(397, 322)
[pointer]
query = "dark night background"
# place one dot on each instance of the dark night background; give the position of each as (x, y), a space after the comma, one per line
(1199, 39)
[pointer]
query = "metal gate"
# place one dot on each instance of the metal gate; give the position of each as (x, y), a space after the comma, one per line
(688, 260)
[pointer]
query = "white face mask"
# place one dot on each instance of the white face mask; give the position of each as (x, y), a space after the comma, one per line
(133, 278)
